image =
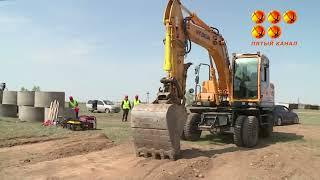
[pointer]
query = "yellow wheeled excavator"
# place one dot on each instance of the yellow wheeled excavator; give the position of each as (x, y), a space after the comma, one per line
(237, 97)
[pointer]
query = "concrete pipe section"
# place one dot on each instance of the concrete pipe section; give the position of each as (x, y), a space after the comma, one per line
(9, 97)
(46, 113)
(25, 98)
(8, 110)
(31, 114)
(61, 112)
(43, 99)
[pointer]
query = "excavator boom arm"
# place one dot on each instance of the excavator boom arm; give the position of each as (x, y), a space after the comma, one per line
(180, 30)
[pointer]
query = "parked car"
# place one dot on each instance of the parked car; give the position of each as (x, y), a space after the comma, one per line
(102, 106)
(283, 115)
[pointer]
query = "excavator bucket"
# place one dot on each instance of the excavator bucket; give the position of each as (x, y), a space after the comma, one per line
(157, 129)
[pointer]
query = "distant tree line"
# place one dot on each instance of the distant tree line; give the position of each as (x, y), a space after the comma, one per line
(34, 88)
(304, 106)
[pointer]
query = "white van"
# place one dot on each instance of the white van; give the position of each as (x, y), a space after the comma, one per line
(102, 106)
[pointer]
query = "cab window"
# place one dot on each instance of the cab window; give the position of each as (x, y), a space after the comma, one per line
(245, 83)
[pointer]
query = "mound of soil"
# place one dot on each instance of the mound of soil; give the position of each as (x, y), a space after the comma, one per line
(79, 145)
(26, 140)
(182, 169)
(291, 153)
(52, 149)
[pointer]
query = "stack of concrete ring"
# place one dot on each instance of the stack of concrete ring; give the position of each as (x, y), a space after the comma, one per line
(41, 103)
(8, 104)
(33, 106)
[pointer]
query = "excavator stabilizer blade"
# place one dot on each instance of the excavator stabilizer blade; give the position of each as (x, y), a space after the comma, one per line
(157, 129)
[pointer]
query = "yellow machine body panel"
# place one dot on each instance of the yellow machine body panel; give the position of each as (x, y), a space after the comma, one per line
(157, 127)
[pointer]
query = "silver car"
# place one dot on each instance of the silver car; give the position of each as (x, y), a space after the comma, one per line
(102, 106)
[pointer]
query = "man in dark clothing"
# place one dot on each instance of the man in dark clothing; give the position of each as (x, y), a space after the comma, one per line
(126, 106)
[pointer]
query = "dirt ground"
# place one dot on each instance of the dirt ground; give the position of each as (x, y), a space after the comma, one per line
(43, 149)
(292, 153)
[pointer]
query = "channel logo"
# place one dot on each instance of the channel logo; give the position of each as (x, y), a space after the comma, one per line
(272, 28)
(290, 17)
(258, 31)
(274, 31)
(274, 17)
(258, 16)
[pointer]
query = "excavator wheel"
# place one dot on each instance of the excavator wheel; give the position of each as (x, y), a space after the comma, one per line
(250, 131)
(157, 129)
(238, 129)
(191, 131)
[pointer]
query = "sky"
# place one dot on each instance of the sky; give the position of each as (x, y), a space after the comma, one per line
(108, 48)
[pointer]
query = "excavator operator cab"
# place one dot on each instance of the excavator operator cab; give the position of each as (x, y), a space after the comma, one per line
(251, 81)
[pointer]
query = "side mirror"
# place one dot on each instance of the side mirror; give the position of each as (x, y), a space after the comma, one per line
(191, 91)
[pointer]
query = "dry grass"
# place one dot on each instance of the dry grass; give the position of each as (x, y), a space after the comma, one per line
(12, 129)
(111, 126)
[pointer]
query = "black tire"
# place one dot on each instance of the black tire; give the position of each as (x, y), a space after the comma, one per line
(191, 131)
(108, 111)
(279, 121)
(267, 130)
(237, 136)
(83, 127)
(296, 120)
(250, 131)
